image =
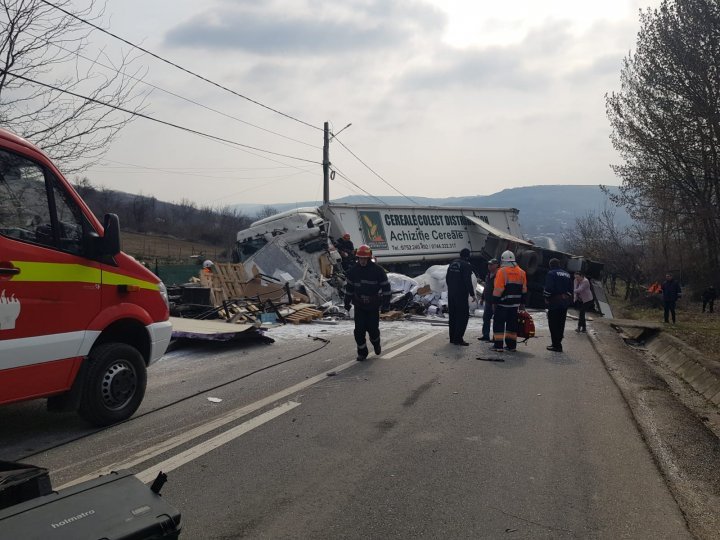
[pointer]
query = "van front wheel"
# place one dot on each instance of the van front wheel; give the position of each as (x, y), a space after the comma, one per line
(114, 385)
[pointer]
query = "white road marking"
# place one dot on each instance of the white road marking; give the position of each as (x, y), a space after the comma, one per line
(172, 463)
(409, 345)
(399, 341)
(187, 436)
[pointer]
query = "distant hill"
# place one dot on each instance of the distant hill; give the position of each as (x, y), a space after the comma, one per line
(545, 211)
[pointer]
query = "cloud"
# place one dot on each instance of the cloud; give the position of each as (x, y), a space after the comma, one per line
(491, 67)
(318, 28)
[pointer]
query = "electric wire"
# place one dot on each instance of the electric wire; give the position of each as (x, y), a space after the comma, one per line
(375, 173)
(305, 171)
(167, 405)
(357, 186)
(158, 57)
(164, 122)
(183, 172)
(169, 92)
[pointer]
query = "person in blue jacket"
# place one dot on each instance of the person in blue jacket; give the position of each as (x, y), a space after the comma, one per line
(558, 293)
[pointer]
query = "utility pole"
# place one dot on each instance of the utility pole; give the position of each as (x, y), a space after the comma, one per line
(326, 165)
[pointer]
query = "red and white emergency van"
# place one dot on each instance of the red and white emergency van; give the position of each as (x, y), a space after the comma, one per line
(80, 321)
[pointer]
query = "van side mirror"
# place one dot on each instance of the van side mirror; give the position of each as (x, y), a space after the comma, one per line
(111, 239)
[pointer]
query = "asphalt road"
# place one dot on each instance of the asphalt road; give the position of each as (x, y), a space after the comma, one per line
(425, 441)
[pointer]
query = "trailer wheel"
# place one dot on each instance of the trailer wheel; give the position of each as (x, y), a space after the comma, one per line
(529, 261)
(115, 384)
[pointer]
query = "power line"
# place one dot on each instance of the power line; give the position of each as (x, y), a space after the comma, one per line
(169, 92)
(372, 171)
(96, 27)
(164, 122)
(185, 172)
(357, 186)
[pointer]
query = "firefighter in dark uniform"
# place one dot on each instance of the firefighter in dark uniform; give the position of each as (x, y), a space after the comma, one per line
(368, 289)
(509, 295)
(459, 284)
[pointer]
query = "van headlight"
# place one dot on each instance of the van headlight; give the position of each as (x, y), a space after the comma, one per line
(163, 293)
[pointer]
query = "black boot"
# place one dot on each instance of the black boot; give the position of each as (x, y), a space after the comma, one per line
(376, 347)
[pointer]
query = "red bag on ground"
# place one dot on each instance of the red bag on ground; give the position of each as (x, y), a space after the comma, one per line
(526, 325)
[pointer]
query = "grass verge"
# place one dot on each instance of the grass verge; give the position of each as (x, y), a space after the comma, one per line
(697, 329)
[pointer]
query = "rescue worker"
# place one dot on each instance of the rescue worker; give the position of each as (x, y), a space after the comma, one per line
(509, 295)
(459, 285)
(708, 298)
(671, 292)
(486, 299)
(558, 293)
(368, 289)
(346, 249)
(208, 266)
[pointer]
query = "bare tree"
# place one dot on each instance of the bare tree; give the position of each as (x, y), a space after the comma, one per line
(266, 211)
(39, 42)
(623, 250)
(666, 126)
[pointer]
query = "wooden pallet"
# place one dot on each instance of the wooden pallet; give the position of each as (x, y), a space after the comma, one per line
(303, 315)
(392, 316)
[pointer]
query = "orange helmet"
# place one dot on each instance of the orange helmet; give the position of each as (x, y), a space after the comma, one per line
(346, 236)
(364, 251)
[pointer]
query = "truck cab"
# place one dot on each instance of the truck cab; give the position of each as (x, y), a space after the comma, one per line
(80, 321)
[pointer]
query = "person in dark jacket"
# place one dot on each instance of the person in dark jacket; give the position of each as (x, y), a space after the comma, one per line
(486, 299)
(459, 285)
(346, 249)
(708, 298)
(671, 291)
(368, 289)
(558, 293)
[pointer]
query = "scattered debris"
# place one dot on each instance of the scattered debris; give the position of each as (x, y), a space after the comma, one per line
(214, 330)
(214, 399)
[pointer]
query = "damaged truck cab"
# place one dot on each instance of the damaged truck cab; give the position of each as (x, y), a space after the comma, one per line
(79, 320)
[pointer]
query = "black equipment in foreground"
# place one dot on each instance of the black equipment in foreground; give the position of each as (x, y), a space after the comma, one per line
(112, 507)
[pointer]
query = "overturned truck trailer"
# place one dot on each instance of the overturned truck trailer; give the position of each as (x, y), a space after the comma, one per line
(404, 239)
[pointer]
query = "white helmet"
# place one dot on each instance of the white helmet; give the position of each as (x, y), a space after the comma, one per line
(208, 263)
(507, 256)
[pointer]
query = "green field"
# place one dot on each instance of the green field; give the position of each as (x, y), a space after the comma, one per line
(166, 249)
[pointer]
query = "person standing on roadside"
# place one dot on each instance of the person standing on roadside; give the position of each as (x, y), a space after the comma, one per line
(368, 289)
(486, 299)
(708, 298)
(460, 287)
(671, 292)
(558, 293)
(583, 298)
(509, 295)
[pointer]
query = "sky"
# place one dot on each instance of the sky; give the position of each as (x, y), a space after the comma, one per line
(445, 98)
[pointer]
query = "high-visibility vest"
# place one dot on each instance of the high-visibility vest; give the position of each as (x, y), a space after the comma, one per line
(510, 287)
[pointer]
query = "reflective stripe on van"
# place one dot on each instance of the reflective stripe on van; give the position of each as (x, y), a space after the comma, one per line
(75, 273)
(39, 349)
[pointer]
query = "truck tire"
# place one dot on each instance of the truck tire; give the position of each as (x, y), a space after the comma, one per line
(114, 385)
(529, 261)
